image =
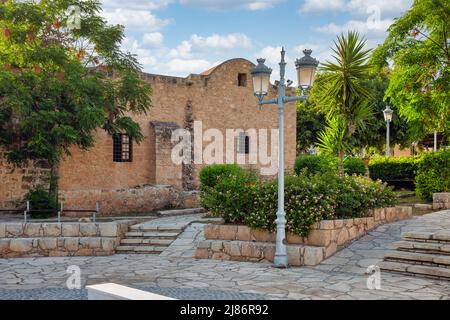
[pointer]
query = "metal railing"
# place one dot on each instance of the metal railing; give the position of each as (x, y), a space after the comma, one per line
(28, 210)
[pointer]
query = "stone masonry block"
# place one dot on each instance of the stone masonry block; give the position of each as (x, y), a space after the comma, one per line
(108, 229)
(312, 256)
(48, 243)
(21, 245)
(70, 229)
(88, 230)
(228, 232)
(52, 229)
(14, 229)
(32, 230)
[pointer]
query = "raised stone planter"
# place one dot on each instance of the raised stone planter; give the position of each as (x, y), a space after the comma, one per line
(60, 239)
(241, 243)
(441, 201)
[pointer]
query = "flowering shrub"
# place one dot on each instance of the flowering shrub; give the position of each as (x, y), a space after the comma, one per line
(240, 198)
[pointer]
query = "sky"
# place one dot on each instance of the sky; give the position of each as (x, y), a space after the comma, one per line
(180, 37)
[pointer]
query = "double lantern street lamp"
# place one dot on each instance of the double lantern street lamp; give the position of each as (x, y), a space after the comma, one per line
(388, 114)
(306, 72)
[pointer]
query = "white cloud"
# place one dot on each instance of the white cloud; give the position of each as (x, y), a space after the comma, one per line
(370, 29)
(230, 41)
(135, 20)
(322, 6)
(223, 42)
(187, 66)
(386, 8)
(252, 5)
(144, 55)
(137, 4)
(154, 39)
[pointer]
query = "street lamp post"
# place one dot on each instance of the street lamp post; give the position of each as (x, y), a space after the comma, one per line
(306, 71)
(388, 114)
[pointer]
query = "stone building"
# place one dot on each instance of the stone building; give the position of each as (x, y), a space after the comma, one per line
(127, 177)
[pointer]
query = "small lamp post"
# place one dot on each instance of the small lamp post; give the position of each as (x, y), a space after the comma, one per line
(306, 71)
(388, 114)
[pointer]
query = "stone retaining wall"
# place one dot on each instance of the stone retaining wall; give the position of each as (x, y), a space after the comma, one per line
(232, 242)
(141, 199)
(441, 201)
(60, 239)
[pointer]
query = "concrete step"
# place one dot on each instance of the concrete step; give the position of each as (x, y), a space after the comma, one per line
(140, 249)
(181, 212)
(423, 247)
(440, 236)
(152, 234)
(152, 242)
(413, 258)
(416, 270)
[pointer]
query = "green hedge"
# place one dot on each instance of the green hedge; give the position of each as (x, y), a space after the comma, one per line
(353, 165)
(390, 169)
(312, 164)
(308, 199)
(433, 174)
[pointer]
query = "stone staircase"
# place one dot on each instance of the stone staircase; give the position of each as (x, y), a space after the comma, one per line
(148, 240)
(423, 254)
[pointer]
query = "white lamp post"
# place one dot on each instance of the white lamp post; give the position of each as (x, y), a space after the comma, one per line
(388, 114)
(306, 71)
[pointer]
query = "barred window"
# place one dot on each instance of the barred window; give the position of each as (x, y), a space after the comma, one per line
(122, 148)
(244, 143)
(242, 80)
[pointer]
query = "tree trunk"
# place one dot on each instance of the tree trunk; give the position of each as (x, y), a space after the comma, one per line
(341, 162)
(54, 181)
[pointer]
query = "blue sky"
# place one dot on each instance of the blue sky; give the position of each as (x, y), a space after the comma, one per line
(179, 37)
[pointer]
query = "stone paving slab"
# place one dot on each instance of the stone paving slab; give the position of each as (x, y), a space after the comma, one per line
(342, 276)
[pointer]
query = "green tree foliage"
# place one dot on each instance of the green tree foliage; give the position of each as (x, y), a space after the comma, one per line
(59, 84)
(418, 46)
(374, 133)
(342, 95)
(310, 122)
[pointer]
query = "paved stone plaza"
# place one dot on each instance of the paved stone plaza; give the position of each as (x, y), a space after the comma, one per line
(177, 274)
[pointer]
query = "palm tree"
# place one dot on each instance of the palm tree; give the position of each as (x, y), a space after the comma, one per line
(343, 96)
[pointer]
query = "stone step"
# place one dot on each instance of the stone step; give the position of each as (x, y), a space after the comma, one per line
(140, 249)
(423, 247)
(413, 258)
(152, 234)
(181, 212)
(144, 228)
(440, 236)
(152, 242)
(417, 270)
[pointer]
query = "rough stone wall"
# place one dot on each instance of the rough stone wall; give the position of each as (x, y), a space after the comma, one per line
(61, 239)
(214, 98)
(241, 243)
(16, 181)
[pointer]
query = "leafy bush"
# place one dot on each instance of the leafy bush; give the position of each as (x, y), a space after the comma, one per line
(308, 199)
(40, 199)
(433, 174)
(356, 195)
(353, 165)
(389, 169)
(231, 197)
(312, 164)
(210, 175)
